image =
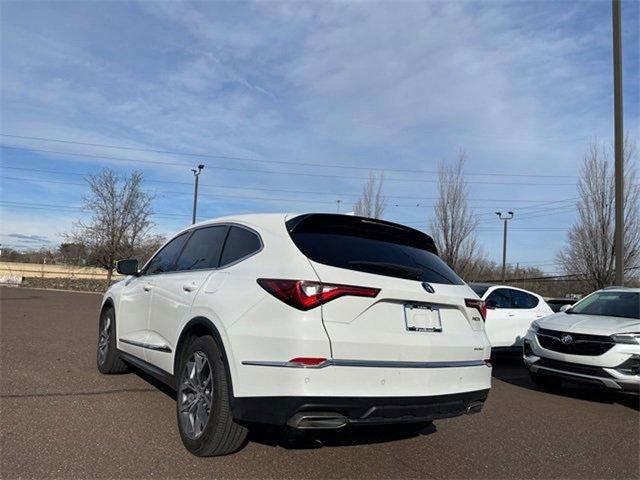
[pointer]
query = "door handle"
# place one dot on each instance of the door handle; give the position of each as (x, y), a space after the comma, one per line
(189, 287)
(147, 287)
(512, 314)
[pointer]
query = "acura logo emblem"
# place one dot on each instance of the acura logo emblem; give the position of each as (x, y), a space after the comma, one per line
(428, 287)
(566, 339)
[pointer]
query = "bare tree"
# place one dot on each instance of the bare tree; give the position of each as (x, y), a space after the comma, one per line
(372, 202)
(590, 249)
(454, 224)
(120, 218)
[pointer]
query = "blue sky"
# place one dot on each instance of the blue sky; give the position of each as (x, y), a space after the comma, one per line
(282, 97)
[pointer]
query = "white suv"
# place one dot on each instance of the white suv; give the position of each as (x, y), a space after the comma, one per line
(311, 321)
(510, 311)
(596, 341)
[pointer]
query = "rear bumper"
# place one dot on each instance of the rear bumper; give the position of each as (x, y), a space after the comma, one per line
(359, 410)
(342, 378)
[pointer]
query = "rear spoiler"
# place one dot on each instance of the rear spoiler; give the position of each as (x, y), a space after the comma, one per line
(373, 228)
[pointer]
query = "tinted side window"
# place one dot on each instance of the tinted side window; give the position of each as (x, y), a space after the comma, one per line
(165, 258)
(523, 300)
(479, 289)
(203, 249)
(500, 298)
(240, 243)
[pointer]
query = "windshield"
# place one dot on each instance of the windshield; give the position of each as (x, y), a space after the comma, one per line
(613, 304)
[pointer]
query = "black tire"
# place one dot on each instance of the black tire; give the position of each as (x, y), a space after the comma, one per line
(219, 434)
(107, 357)
(545, 382)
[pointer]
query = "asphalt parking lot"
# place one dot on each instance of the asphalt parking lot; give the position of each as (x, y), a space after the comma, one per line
(61, 418)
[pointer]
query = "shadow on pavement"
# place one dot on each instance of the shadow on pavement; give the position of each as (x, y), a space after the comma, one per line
(510, 369)
(349, 436)
(291, 439)
(168, 391)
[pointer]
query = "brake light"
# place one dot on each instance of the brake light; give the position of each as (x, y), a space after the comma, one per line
(307, 294)
(478, 305)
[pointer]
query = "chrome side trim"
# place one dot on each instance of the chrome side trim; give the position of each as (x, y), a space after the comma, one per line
(368, 363)
(148, 346)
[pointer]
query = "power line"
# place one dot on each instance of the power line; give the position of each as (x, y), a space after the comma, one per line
(306, 192)
(273, 172)
(168, 192)
(258, 160)
(58, 207)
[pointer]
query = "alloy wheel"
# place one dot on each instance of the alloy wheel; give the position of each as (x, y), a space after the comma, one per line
(196, 395)
(103, 341)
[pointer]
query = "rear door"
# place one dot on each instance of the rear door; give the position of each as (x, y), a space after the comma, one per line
(528, 308)
(175, 292)
(419, 315)
(502, 319)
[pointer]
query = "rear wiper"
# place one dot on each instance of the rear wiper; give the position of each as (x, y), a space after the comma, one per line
(406, 271)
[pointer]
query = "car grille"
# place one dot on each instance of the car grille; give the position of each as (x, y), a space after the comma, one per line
(581, 344)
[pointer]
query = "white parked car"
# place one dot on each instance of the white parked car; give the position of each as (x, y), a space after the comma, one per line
(311, 321)
(596, 341)
(510, 311)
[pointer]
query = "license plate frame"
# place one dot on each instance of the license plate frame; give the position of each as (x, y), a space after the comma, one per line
(431, 323)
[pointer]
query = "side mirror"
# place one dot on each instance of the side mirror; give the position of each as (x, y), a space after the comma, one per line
(127, 267)
(565, 308)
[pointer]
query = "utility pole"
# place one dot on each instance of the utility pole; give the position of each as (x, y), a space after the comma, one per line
(616, 8)
(505, 219)
(338, 202)
(196, 174)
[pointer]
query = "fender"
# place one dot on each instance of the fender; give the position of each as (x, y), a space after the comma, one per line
(197, 326)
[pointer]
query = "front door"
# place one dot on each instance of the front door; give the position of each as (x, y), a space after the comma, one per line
(133, 315)
(136, 299)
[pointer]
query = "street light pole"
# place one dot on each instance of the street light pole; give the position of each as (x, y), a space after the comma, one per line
(619, 139)
(338, 202)
(505, 219)
(196, 174)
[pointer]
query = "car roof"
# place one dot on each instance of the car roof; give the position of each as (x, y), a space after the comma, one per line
(262, 219)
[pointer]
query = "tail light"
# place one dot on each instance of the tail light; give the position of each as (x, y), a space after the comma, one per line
(478, 305)
(307, 294)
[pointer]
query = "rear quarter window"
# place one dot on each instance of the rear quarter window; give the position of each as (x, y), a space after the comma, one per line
(523, 299)
(241, 242)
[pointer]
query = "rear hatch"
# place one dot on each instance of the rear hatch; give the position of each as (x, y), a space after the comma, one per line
(419, 314)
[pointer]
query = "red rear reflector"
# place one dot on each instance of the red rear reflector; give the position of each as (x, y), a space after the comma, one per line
(308, 361)
(478, 305)
(307, 294)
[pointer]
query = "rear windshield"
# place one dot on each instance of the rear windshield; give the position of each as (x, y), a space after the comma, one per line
(609, 304)
(372, 246)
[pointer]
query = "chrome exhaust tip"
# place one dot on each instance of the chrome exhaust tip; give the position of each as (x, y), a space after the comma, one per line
(317, 421)
(474, 407)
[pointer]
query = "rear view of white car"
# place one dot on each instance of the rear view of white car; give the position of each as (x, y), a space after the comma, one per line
(510, 311)
(313, 321)
(595, 342)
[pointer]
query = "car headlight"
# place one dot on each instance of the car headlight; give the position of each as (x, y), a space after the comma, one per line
(633, 338)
